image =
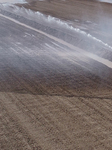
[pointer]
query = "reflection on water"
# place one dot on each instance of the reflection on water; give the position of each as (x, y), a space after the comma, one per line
(107, 1)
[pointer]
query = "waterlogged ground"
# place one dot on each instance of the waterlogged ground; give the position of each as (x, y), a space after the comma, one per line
(55, 78)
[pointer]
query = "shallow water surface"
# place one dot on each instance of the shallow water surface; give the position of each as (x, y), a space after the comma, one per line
(12, 1)
(107, 1)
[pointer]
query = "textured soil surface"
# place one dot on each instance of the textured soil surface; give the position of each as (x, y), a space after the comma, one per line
(53, 97)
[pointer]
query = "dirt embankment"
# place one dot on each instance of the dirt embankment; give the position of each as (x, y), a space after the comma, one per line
(72, 9)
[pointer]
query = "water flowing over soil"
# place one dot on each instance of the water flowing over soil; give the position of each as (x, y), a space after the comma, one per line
(55, 75)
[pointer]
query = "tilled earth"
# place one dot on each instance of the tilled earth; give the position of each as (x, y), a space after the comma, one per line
(53, 97)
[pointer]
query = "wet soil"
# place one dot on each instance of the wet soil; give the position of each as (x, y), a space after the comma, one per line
(52, 97)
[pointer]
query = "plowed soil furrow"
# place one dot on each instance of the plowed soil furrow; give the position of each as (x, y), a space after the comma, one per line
(60, 121)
